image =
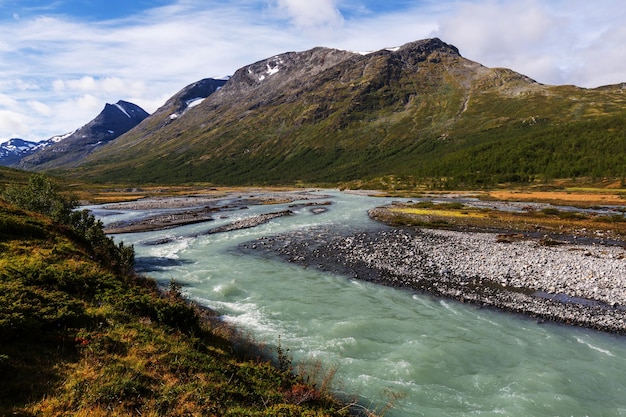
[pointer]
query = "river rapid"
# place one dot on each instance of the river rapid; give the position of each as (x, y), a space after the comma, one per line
(434, 357)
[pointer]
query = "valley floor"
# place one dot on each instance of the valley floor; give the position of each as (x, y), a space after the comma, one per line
(541, 264)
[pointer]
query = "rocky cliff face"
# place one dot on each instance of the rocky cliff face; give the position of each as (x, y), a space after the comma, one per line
(114, 120)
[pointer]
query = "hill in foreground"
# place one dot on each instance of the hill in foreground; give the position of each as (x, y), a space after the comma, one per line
(80, 337)
(421, 111)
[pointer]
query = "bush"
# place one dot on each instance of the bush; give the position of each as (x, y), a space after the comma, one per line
(29, 311)
(41, 195)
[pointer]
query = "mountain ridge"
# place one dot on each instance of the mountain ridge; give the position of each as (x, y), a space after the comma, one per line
(14, 149)
(327, 115)
(67, 150)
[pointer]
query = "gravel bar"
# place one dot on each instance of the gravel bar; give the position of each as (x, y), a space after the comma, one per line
(582, 285)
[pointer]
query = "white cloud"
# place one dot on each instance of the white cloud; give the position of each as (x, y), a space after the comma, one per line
(13, 124)
(41, 108)
(560, 42)
(109, 85)
(83, 84)
(7, 101)
(311, 14)
(57, 73)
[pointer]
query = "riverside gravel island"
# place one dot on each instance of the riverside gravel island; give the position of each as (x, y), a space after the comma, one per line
(574, 281)
(574, 284)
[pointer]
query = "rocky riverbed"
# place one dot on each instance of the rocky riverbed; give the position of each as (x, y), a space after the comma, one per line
(180, 211)
(582, 285)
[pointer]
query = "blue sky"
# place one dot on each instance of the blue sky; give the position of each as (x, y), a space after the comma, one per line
(62, 60)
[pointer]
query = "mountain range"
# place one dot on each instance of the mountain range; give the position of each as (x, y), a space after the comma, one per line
(15, 149)
(418, 112)
(113, 121)
(69, 149)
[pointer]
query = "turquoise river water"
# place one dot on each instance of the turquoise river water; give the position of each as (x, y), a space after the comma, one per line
(440, 357)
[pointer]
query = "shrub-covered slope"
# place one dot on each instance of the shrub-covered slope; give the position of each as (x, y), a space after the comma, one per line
(422, 111)
(82, 336)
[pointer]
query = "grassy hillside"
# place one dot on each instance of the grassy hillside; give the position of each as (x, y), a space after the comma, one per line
(422, 112)
(12, 176)
(82, 336)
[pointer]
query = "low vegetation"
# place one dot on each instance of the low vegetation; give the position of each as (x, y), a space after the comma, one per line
(531, 221)
(82, 335)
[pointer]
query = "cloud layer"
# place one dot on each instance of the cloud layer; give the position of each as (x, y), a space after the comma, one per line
(57, 70)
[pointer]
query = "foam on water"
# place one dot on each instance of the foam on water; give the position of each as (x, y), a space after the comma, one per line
(599, 349)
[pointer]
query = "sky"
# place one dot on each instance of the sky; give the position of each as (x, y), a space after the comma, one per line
(61, 61)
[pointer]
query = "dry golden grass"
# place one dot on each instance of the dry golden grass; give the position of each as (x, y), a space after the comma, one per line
(544, 222)
(443, 213)
(589, 197)
(115, 194)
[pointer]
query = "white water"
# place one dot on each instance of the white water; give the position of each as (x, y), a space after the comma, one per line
(444, 358)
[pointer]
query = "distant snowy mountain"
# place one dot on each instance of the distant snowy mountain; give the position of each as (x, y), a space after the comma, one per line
(15, 149)
(114, 120)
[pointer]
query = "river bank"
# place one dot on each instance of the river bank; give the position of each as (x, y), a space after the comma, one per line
(581, 285)
(184, 210)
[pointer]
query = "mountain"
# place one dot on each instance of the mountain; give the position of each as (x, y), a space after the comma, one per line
(420, 111)
(189, 97)
(176, 107)
(68, 150)
(15, 149)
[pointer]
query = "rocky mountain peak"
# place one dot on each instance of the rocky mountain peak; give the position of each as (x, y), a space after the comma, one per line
(192, 94)
(15, 149)
(120, 113)
(290, 65)
(113, 121)
(426, 47)
(428, 50)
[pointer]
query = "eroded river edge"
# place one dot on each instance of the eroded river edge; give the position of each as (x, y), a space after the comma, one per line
(469, 267)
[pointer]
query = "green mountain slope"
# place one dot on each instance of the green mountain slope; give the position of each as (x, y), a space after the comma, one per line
(421, 111)
(13, 176)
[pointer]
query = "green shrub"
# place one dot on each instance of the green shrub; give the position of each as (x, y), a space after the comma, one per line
(42, 196)
(28, 311)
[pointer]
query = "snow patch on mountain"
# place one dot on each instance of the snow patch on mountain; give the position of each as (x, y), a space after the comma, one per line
(272, 70)
(393, 49)
(122, 109)
(14, 149)
(194, 102)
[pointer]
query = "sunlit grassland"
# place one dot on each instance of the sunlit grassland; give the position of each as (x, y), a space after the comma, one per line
(536, 222)
(438, 212)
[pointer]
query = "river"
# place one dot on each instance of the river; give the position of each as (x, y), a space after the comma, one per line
(436, 357)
